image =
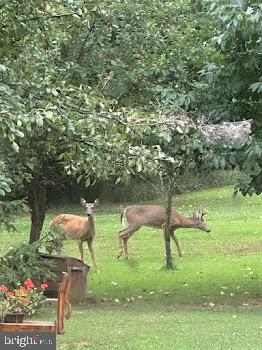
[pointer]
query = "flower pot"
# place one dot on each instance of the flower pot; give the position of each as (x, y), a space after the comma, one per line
(14, 318)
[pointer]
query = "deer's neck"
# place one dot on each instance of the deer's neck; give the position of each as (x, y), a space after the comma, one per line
(91, 221)
(187, 222)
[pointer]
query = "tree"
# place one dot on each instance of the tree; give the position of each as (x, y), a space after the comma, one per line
(84, 144)
(176, 140)
(233, 78)
(58, 61)
(46, 133)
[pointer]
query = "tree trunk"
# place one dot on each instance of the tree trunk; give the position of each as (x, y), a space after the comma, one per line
(37, 203)
(169, 260)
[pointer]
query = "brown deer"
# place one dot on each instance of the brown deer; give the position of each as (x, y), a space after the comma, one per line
(78, 228)
(154, 216)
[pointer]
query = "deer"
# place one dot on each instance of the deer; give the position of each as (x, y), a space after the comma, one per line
(155, 216)
(78, 228)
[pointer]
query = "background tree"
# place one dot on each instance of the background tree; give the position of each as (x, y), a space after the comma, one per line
(233, 79)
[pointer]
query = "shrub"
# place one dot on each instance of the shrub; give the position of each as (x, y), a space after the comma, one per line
(25, 261)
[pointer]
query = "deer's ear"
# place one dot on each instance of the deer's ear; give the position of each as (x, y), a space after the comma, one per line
(97, 202)
(83, 202)
(195, 215)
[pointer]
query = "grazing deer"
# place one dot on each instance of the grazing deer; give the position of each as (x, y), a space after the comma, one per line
(78, 228)
(154, 216)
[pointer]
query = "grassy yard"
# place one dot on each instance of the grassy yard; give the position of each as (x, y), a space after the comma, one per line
(213, 298)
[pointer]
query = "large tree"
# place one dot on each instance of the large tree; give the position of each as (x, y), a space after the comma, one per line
(58, 61)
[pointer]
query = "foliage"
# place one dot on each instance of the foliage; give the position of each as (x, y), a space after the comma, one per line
(24, 299)
(233, 77)
(50, 242)
(25, 261)
(10, 208)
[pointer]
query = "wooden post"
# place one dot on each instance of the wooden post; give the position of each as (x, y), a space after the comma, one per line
(63, 292)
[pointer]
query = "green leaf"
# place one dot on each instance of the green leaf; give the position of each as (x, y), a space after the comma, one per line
(2, 68)
(78, 180)
(179, 129)
(139, 167)
(256, 87)
(5, 89)
(15, 146)
(54, 92)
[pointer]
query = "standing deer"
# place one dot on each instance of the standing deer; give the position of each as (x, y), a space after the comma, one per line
(78, 227)
(154, 216)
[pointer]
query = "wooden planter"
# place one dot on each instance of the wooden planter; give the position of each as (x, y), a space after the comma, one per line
(78, 271)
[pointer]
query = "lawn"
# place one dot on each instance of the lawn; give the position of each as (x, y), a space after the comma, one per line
(213, 298)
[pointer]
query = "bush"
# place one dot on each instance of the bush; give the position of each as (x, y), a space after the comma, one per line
(25, 261)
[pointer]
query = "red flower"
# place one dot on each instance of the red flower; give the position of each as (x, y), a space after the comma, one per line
(29, 284)
(3, 289)
(43, 285)
(11, 294)
(23, 289)
(25, 300)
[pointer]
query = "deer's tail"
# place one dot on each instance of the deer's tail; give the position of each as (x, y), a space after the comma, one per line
(56, 221)
(123, 216)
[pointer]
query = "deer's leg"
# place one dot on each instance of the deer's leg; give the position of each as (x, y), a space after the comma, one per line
(80, 247)
(123, 236)
(121, 247)
(125, 247)
(173, 236)
(91, 250)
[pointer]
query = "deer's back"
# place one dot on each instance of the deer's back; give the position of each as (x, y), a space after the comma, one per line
(147, 215)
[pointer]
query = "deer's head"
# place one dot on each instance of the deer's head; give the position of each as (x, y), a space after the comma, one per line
(197, 216)
(90, 207)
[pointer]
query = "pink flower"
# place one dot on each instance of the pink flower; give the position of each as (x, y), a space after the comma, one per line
(29, 284)
(11, 294)
(43, 285)
(3, 289)
(23, 289)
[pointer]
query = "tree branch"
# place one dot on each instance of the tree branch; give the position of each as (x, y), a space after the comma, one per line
(81, 51)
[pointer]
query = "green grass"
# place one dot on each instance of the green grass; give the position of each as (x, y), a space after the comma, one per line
(156, 326)
(161, 309)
